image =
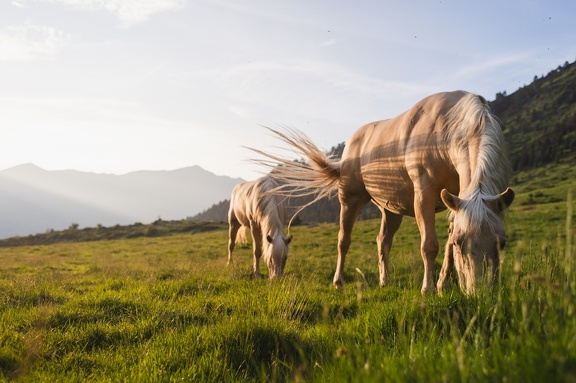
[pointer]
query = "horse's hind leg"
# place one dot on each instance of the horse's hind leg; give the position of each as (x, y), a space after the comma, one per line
(348, 213)
(390, 224)
(425, 199)
(232, 231)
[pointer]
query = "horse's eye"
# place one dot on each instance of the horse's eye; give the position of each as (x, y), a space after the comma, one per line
(502, 243)
(460, 241)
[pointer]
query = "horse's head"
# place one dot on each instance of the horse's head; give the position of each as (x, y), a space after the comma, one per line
(276, 254)
(476, 236)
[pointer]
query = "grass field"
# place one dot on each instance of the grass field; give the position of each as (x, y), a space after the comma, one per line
(169, 309)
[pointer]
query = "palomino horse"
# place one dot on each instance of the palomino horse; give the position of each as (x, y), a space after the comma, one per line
(253, 206)
(445, 151)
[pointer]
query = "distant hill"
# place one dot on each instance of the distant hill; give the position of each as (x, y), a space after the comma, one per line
(539, 122)
(158, 228)
(34, 200)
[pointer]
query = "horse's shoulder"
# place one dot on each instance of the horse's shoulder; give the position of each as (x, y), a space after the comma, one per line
(241, 188)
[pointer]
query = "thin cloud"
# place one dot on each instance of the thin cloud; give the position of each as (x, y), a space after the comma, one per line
(128, 12)
(276, 74)
(301, 91)
(241, 112)
(330, 42)
(29, 41)
(484, 65)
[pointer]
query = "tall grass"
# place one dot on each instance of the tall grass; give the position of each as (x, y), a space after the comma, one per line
(168, 309)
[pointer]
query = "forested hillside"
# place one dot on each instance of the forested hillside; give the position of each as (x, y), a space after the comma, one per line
(539, 122)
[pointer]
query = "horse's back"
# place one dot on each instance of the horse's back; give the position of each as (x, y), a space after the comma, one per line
(239, 202)
(246, 202)
(383, 157)
(411, 129)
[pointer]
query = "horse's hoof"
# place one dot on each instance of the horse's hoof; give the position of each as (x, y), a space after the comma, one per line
(428, 291)
(440, 289)
(338, 284)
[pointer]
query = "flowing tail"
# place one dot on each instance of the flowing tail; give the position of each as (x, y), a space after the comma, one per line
(317, 177)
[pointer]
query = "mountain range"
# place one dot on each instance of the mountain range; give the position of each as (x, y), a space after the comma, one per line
(34, 200)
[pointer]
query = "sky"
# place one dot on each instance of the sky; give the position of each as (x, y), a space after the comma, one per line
(115, 86)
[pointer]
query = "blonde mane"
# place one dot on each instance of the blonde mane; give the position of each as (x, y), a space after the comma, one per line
(268, 210)
(492, 171)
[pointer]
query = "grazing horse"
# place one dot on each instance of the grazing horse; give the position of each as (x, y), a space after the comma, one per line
(445, 151)
(254, 206)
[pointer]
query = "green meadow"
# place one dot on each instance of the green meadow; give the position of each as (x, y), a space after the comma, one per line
(168, 309)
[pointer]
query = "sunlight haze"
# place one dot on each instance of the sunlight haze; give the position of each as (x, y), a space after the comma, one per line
(112, 86)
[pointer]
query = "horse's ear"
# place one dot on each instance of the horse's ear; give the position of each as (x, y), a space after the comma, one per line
(451, 201)
(269, 238)
(288, 240)
(505, 199)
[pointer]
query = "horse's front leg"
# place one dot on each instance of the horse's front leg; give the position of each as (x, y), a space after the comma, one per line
(425, 211)
(447, 266)
(390, 224)
(257, 248)
(495, 270)
(232, 232)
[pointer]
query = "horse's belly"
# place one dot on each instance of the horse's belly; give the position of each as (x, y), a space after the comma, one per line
(389, 186)
(397, 197)
(394, 204)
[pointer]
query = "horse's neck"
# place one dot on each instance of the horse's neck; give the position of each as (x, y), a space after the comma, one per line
(467, 168)
(479, 173)
(271, 224)
(272, 221)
